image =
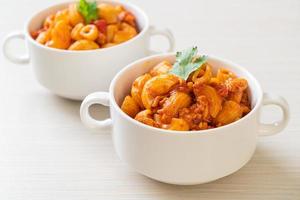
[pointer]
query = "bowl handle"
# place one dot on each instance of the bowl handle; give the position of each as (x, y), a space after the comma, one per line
(13, 58)
(163, 32)
(95, 98)
(276, 127)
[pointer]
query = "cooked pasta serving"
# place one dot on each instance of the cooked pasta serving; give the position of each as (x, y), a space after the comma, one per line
(187, 95)
(87, 26)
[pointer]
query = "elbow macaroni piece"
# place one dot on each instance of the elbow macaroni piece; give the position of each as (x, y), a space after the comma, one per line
(62, 15)
(109, 12)
(224, 74)
(161, 68)
(75, 33)
(130, 107)
(137, 88)
(204, 101)
(74, 16)
(49, 22)
(145, 117)
(231, 112)
(110, 33)
(235, 96)
(236, 88)
(126, 33)
(214, 99)
(44, 37)
(237, 84)
(129, 18)
(83, 45)
(60, 35)
(178, 124)
(89, 32)
(171, 106)
(157, 86)
(205, 77)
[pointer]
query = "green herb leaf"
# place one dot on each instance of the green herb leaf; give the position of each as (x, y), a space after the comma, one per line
(187, 62)
(88, 10)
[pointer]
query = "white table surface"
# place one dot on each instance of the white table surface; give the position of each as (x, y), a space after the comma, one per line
(46, 153)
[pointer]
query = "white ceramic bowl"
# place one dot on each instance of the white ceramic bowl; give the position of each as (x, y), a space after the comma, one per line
(183, 157)
(75, 74)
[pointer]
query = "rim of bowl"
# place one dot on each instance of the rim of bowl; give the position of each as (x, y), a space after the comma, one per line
(174, 132)
(125, 3)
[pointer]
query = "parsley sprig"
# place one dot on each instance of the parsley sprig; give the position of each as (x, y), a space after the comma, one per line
(187, 62)
(88, 10)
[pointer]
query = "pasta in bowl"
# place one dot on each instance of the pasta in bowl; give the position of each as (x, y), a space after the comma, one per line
(68, 50)
(203, 100)
(167, 153)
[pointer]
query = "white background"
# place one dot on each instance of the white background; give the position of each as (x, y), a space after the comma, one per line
(46, 153)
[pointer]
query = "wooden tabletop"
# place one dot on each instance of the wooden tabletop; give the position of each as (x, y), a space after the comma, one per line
(47, 154)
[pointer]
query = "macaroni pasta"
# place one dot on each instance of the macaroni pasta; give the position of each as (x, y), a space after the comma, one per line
(203, 101)
(69, 29)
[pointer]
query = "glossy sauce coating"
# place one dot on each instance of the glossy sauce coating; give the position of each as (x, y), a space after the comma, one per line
(203, 101)
(66, 29)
